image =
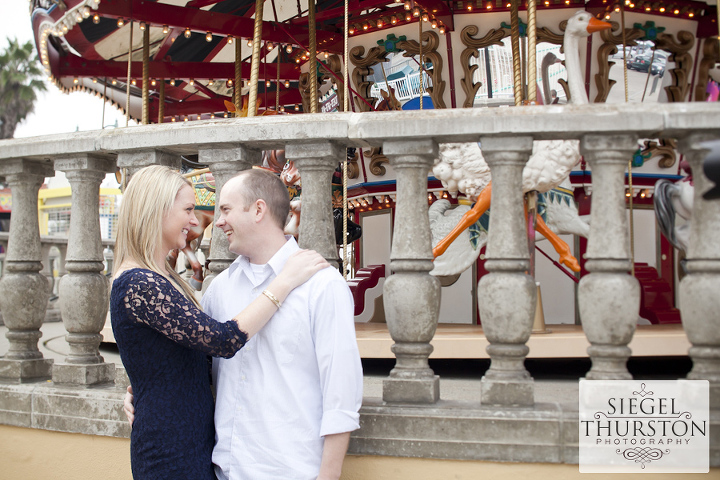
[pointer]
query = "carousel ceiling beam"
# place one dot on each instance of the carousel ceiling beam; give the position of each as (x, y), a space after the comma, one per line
(201, 3)
(287, 97)
(353, 7)
(437, 7)
(204, 21)
(79, 67)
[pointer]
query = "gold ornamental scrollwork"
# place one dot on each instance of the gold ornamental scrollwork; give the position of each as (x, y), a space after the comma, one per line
(363, 69)
(334, 63)
(711, 56)
(493, 37)
(663, 148)
(304, 87)
(377, 160)
(678, 90)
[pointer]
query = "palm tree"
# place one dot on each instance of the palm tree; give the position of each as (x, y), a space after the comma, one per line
(20, 80)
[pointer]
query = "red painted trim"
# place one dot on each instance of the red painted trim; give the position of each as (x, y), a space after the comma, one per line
(365, 279)
(212, 105)
(203, 21)
(173, 33)
(71, 66)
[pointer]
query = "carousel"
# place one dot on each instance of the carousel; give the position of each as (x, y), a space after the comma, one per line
(204, 60)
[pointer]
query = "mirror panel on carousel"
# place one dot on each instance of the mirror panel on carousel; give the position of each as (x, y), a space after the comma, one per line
(401, 75)
(646, 73)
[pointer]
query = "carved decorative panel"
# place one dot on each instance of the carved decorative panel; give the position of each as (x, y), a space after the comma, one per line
(678, 91)
(711, 56)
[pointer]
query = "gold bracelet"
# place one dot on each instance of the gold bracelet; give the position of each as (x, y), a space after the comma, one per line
(272, 298)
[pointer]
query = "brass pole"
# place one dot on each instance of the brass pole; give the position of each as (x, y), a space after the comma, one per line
(313, 58)
(255, 67)
(345, 160)
(102, 124)
(346, 85)
(277, 80)
(127, 90)
(422, 64)
(531, 58)
(237, 85)
(161, 105)
(515, 41)
(146, 77)
(630, 187)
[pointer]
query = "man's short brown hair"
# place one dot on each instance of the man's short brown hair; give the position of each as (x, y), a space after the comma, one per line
(258, 184)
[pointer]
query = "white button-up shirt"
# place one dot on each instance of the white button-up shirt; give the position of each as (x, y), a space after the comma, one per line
(297, 380)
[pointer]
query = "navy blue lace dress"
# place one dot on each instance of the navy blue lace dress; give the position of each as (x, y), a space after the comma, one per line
(164, 343)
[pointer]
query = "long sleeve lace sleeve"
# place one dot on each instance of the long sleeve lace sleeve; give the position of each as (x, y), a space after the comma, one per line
(151, 299)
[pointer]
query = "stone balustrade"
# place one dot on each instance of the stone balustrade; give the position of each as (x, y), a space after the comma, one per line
(53, 252)
(410, 419)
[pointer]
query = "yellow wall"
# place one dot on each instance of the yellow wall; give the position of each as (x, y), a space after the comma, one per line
(28, 453)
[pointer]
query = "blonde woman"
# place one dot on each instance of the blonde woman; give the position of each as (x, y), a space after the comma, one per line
(163, 337)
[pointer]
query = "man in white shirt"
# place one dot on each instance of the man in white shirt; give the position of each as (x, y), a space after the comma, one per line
(286, 402)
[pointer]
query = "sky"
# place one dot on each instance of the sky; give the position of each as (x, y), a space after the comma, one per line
(55, 112)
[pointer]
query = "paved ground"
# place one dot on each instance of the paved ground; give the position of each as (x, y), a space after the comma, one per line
(555, 380)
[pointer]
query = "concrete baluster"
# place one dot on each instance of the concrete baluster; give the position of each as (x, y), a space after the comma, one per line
(411, 294)
(608, 297)
(133, 161)
(47, 270)
(24, 291)
(507, 295)
(84, 292)
(699, 291)
(224, 163)
(316, 163)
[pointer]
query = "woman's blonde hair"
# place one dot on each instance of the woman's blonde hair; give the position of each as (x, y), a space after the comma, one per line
(146, 202)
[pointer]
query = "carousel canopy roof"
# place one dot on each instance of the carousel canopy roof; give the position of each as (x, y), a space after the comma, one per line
(84, 44)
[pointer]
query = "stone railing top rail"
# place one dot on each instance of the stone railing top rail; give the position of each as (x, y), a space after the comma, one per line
(5, 236)
(448, 125)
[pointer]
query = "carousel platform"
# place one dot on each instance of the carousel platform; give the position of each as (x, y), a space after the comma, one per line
(561, 341)
(469, 342)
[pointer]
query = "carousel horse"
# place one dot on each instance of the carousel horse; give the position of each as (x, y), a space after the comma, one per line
(463, 168)
(673, 199)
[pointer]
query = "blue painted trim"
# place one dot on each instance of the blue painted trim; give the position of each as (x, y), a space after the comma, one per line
(635, 175)
(380, 184)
